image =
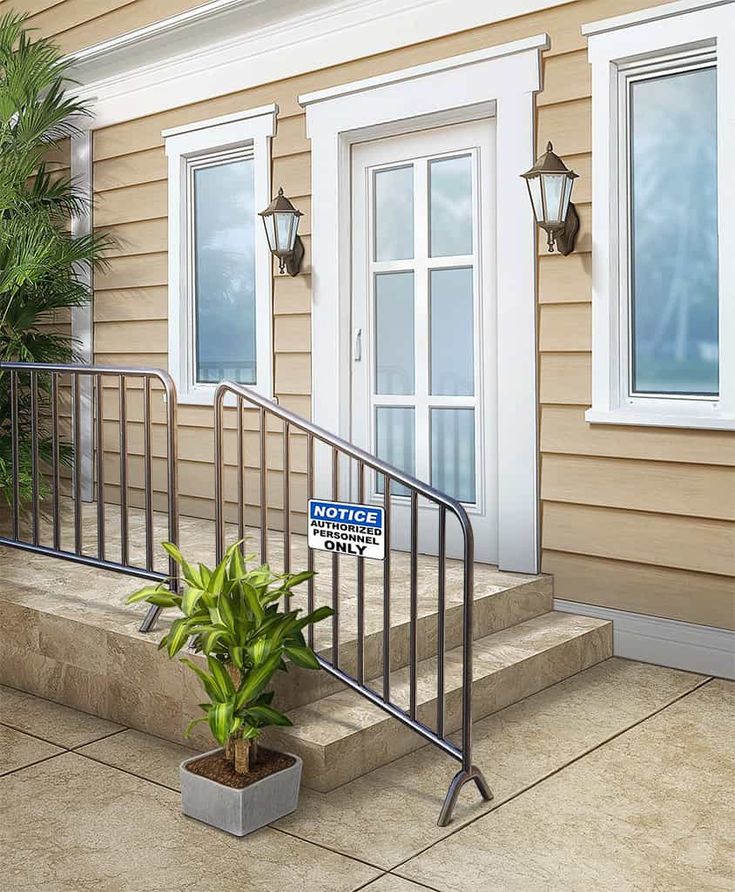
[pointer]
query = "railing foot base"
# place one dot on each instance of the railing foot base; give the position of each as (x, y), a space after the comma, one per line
(458, 781)
(150, 619)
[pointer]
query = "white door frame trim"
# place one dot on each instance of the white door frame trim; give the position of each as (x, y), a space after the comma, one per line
(498, 82)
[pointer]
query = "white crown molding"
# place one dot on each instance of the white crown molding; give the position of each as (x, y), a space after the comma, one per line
(231, 45)
(261, 111)
(651, 14)
(666, 642)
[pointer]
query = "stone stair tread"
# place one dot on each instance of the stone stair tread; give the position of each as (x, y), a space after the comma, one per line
(338, 716)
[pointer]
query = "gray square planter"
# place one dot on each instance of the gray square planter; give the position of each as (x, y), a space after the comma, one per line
(240, 811)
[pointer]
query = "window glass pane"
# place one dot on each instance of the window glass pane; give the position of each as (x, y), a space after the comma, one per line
(394, 340)
(395, 442)
(674, 234)
(224, 253)
(394, 213)
(452, 332)
(453, 452)
(450, 206)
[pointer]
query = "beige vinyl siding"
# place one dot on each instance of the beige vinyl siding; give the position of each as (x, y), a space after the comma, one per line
(635, 518)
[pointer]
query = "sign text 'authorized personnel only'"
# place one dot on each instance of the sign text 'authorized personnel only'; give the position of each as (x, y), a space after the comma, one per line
(347, 529)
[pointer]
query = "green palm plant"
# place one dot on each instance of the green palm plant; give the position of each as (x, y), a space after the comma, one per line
(42, 265)
(232, 615)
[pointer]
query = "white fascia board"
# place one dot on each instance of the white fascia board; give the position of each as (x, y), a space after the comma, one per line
(651, 14)
(240, 44)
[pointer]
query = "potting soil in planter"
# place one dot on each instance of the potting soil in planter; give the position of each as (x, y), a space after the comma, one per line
(215, 767)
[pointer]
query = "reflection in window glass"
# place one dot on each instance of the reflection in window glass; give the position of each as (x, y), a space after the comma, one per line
(453, 452)
(395, 437)
(450, 206)
(394, 340)
(394, 213)
(674, 305)
(224, 283)
(452, 332)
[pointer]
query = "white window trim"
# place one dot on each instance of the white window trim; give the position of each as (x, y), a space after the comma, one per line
(614, 46)
(499, 81)
(255, 128)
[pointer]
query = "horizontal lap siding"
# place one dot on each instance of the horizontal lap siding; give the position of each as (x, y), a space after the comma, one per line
(635, 518)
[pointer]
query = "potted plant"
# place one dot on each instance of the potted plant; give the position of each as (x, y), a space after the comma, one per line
(239, 619)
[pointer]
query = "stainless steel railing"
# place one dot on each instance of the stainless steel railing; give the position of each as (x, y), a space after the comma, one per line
(35, 397)
(339, 454)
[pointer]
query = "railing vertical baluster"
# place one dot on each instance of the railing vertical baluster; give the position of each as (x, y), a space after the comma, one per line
(15, 460)
(172, 455)
(123, 441)
(335, 567)
(148, 464)
(309, 551)
(286, 504)
(386, 590)
(100, 471)
(413, 621)
(440, 628)
(219, 488)
(55, 475)
(361, 586)
(77, 472)
(240, 453)
(467, 644)
(263, 488)
(34, 455)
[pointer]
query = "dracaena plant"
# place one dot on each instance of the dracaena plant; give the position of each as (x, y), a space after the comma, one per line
(234, 615)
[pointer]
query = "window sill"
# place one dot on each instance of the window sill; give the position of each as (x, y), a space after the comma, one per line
(643, 417)
(204, 396)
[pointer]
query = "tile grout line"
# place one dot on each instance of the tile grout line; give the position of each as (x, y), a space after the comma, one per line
(74, 749)
(125, 771)
(4, 774)
(333, 851)
(541, 780)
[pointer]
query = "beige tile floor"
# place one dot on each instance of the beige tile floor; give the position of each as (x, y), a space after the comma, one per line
(620, 778)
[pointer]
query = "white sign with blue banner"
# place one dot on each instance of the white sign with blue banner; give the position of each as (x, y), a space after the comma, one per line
(342, 528)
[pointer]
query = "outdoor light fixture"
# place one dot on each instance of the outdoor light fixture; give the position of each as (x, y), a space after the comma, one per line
(281, 221)
(550, 184)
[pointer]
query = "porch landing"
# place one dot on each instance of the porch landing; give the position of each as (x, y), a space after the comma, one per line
(66, 635)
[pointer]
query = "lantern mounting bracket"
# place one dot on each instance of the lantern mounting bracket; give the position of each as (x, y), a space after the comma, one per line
(564, 238)
(292, 263)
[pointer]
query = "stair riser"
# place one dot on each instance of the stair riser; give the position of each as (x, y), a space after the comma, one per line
(493, 613)
(355, 754)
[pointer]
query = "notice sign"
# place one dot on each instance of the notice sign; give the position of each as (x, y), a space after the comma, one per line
(346, 529)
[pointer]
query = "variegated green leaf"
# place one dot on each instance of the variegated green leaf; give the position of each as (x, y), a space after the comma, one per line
(220, 721)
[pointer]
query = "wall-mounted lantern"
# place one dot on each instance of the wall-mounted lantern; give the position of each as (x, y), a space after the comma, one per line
(550, 184)
(281, 221)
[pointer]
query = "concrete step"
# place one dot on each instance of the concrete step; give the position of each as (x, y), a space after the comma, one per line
(343, 736)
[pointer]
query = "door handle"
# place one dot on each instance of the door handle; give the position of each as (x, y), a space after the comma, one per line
(357, 347)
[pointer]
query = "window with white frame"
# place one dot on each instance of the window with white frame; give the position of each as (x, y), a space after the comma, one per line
(219, 262)
(663, 317)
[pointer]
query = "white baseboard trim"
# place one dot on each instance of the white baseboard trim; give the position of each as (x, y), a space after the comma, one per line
(667, 642)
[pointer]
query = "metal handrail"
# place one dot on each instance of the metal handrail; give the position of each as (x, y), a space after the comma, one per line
(92, 377)
(416, 488)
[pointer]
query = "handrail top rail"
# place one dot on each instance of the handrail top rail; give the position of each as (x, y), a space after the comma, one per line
(330, 439)
(128, 371)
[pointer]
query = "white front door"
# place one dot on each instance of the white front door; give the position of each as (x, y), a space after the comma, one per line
(423, 321)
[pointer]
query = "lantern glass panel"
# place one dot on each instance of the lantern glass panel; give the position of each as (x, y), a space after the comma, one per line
(534, 190)
(285, 231)
(553, 186)
(270, 231)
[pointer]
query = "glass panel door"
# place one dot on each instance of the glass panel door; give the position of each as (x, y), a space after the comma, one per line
(423, 385)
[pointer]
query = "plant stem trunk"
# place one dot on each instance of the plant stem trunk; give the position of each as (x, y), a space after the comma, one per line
(242, 755)
(230, 750)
